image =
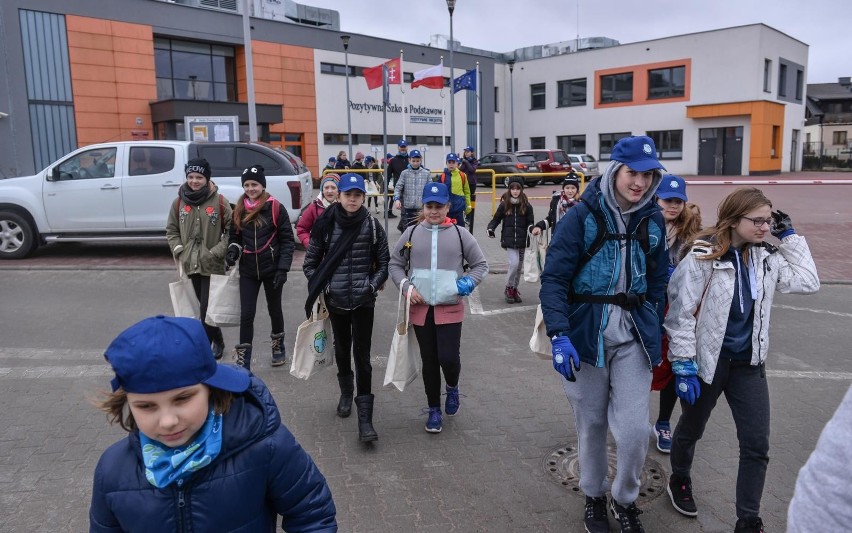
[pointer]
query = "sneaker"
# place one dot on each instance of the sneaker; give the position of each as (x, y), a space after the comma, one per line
(435, 421)
(749, 525)
(680, 492)
(510, 295)
(664, 436)
(517, 295)
(218, 349)
(628, 517)
(452, 404)
(595, 517)
(391, 215)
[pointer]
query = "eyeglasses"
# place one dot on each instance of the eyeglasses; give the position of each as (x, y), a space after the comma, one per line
(759, 222)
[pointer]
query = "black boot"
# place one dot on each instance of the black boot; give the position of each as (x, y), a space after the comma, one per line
(366, 433)
(279, 353)
(347, 388)
(242, 356)
(217, 345)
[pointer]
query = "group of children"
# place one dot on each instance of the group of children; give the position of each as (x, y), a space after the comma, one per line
(628, 271)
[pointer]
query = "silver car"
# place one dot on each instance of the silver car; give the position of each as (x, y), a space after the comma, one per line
(586, 164)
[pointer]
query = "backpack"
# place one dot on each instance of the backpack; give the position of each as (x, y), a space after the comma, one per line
(444, 178)
(603, 235)
(276, 205)
(465, 264)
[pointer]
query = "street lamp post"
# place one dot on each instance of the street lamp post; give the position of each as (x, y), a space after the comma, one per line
(345, 39)
(511, 64)
(451, 5)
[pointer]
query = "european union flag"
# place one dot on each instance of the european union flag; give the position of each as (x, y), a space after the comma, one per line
(466, 81)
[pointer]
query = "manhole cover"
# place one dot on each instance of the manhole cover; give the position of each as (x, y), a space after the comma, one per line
(562, 464)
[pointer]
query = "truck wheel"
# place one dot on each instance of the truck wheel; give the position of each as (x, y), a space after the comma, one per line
(17, 238)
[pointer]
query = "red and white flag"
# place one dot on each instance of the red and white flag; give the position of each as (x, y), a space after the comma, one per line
(373, 75)
(431, 78)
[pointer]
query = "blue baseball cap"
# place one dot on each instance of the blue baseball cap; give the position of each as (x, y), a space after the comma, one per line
(369, 159)
(351, 181)
(332, 159)
(163, 353)
(469, 149)
(436, 192)
(452, 157)
(638, 153)
(414, 153)
(672, 186)
(402, 142)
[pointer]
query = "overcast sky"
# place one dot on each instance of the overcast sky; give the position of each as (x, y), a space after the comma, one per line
(503, 25)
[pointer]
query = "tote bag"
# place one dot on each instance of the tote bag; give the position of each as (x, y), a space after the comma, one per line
(223, 299)
(540, 342)
(534, 257)
(404, 363)
(313, 350)
(184, 300)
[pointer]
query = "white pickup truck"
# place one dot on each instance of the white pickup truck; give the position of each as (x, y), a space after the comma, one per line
(123, 190)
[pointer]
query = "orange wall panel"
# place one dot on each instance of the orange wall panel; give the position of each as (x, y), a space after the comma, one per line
(112, 77)
(640, 83)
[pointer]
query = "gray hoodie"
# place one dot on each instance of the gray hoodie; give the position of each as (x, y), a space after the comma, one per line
(619, 324)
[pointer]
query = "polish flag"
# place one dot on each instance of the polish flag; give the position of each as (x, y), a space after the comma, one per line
(373, 75)
(431, 78)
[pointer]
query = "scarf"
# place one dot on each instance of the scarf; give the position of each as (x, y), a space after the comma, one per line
(514, 201)
(334, 216)
(164, 465)
(671, 235)
(191, 197)
(564, 205)
(325, 203)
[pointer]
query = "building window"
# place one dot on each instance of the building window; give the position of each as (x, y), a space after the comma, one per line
(669, 143)
(537, 96)
(336, 70)
(336, 138)
(509, 147)
(838, 138)
(800, 82)
(195, 71)
(617, 88)
(537, 143)
(776, 142)
(782, 80)
(573, 144)
(667, 82)
(571, 93)
(607, 141)
(767, 75)
(496, 99)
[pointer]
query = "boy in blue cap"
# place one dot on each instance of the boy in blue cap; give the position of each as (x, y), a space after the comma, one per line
(606, 270)
(409, 188)
(468, 164)
(457, 183)
(396, 165)
(206, 447)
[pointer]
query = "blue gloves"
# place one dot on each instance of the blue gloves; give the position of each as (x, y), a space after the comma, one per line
(465, 285)
(782, 226)
(565, 356)
(687, 388)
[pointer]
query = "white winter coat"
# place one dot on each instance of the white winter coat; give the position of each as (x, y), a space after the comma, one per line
(788, 268)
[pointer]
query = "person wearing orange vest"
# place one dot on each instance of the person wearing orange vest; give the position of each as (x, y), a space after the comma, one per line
(456, 182)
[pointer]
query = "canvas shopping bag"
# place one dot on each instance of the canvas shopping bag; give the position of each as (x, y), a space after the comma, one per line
(534, 257)
(404, 363)
(313, 350)
(223, 299)
(540, 342)
(184, 300)
(372, 189)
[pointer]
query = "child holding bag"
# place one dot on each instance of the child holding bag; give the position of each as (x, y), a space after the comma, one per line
(430, 256)
(516, 214)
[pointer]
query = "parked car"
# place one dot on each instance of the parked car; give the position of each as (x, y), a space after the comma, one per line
(586, 164)
(506, 163)
(123, 190)
(550, 161)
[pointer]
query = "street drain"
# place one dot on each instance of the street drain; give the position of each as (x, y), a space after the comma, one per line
(562, 464)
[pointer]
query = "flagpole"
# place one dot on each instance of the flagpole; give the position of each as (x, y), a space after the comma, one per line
(385, 91)
(478, 112)
(443, 115)
(402, 91)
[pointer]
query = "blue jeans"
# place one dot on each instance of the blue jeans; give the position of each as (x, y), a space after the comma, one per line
(747, 392)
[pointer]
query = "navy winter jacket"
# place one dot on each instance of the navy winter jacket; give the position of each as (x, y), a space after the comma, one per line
(261, 473)
(259, 260)
(584, 323)
(514, 230)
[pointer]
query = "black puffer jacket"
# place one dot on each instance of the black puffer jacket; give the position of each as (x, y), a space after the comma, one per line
(514, 232)
(253, 238)
(363, 270)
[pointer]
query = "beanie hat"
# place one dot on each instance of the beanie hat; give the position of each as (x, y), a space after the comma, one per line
(199, 165)
(163, 353)
(359, 155)
(254, 173)
(571, 179)
(516, 180)
(331, 177)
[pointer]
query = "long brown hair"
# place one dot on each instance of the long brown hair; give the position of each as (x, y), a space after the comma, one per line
(733, 207)
(243, 216)
(114, 404)
(508, 206)
(688, 223)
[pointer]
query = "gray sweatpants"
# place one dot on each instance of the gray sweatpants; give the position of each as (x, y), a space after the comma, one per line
(516, 266)
(616, 395)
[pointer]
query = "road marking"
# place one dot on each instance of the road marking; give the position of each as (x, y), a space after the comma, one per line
(51, 354)
(820, 311)
(797, 374)
(507, 310)
(49, 372)
(475, 302)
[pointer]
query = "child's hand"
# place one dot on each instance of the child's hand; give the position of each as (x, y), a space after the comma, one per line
(536, 231)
